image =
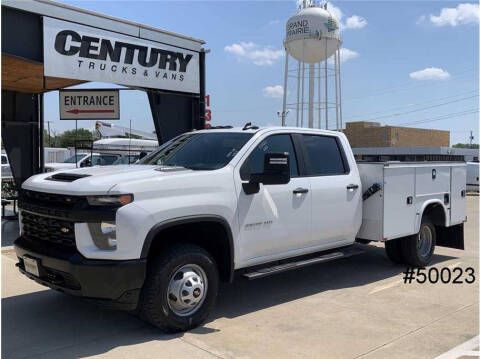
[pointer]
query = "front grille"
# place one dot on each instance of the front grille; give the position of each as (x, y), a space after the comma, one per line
(55, 199)
(48, 229)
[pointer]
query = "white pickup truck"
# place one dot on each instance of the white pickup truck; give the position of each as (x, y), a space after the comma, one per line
(157, 237)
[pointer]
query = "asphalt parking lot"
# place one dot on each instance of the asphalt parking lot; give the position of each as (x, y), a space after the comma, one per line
(353, 308)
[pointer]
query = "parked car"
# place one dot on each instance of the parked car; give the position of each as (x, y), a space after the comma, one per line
(472, 176)
(83, 160)
(158, 237)
(6, 170)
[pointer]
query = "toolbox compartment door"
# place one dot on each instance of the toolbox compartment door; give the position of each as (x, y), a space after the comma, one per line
(399, 211)
(458, 194)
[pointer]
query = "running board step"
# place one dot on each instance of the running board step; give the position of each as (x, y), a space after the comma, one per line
(327, 257)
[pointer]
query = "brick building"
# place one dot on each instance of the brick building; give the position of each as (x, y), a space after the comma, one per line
(371, 134)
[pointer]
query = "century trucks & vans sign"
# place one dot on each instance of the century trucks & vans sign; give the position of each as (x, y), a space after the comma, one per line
(81, 52)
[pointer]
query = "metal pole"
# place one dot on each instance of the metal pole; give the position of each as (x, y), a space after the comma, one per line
(40, 104)
(311, 93)
(76, 129)
(303, 87)
(303, 80)
(340, 90)
(285, 82)
(130, 140)
(326, 86)
(336, 92)
(298, 90)
(319, 95)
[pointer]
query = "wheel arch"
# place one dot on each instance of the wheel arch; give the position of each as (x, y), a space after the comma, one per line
(224, 254)
(436, 211)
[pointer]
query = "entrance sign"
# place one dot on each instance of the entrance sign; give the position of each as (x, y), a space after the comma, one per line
(82, 52)
(89, 104)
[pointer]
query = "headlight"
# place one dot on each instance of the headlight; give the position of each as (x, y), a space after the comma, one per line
(104, 235)
(112, 200)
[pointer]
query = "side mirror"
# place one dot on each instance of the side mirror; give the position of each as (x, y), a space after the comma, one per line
(86, 163)
(276, 170)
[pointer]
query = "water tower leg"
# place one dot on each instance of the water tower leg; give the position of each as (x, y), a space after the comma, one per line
(303, 95)
(285, 80)
(337, 119)
(340, 90)
(311, 93)
(298, 91)
(326, 86)
(319, 95)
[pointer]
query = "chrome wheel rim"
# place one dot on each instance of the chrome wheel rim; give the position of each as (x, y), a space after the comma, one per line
(187, 289)
(424, 241)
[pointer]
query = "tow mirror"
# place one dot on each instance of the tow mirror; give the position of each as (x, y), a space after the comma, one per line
(276, 170)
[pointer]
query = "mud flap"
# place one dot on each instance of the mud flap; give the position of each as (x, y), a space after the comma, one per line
(451, 237)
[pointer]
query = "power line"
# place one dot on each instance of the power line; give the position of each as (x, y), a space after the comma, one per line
(423, 108)
(442, 117)
(403, 87)
(411, 105)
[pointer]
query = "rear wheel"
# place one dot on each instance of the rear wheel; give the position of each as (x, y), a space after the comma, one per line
(418, 249)
(180, 288)
(394, 251)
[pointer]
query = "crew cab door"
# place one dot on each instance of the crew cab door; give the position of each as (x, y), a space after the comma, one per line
(335, 190)
(277, 218)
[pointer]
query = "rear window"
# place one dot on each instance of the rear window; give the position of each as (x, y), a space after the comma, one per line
(325, 155)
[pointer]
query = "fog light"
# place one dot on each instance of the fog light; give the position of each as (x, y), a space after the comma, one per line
(104, 235)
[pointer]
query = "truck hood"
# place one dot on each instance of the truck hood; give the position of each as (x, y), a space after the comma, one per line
(98, 179)
(55, 166)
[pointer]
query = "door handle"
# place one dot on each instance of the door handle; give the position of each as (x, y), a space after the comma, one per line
(352, 186)
(300, 190)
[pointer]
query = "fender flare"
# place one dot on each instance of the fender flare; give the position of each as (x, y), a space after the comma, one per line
(420, 213)
(157, 228)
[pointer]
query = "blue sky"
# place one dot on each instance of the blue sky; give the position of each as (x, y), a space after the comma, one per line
(410, 61)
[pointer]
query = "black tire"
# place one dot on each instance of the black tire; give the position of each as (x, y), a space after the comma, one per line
(410, 248)
(154, 306)
(362, 241)
(394, 251)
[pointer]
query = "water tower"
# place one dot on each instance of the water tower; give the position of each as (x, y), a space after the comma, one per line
(313, 40)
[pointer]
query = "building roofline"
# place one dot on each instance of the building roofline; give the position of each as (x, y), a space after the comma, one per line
(103, 21)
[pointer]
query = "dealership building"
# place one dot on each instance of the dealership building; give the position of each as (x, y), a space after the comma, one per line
(372, 142)
(48, 46)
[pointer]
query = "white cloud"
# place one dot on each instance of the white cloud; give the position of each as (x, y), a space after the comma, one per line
(460, 15)
(259, 55)
(273, 91)
(273, 22)
(352, 22)
(430, 73)
(347, 54)
(355, 22)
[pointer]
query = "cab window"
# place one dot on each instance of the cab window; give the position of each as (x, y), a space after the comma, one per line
(325, 155)
(273, 144)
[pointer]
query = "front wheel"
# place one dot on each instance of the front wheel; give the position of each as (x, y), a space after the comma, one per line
(418, 249)
(180, 288)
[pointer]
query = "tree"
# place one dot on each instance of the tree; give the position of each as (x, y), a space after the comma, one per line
(68, 138)
(466, 145)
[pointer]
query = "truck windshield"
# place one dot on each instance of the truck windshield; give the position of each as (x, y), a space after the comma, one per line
(198, 151)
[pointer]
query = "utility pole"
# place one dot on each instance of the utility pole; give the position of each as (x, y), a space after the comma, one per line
(48, 126)
(283, 116)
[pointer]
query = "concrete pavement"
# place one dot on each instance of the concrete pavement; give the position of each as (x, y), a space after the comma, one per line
(354, 308)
